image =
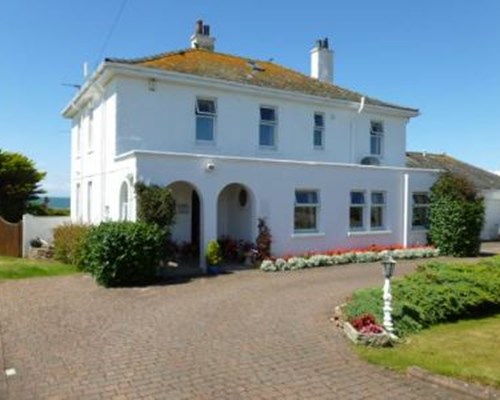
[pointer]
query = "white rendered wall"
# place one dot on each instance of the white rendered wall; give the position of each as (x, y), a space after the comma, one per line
(491, 215)
(39, 227)
(164, 120)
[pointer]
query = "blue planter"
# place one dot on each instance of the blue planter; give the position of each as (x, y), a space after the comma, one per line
(213, 269)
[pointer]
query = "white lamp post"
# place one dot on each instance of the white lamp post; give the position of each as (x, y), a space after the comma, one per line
(389, 264)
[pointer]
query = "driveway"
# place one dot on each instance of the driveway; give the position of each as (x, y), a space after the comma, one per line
(246, 335)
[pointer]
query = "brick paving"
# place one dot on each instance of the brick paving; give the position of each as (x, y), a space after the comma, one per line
(246, 335)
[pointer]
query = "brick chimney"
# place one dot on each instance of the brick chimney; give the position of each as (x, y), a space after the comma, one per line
(201, 38)
(322, 61)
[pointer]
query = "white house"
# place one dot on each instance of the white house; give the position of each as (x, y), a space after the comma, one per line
(237, 139)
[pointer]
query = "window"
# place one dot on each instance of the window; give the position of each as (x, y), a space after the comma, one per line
(206, 112)
(319, 128)
(89, 201)
(77, 202)
(420, 211)
(124, 202)
(377, 210)
(306, 211)
(90, 132)
(376, 138)
(78, 138)
(267, 127)
(357, 210)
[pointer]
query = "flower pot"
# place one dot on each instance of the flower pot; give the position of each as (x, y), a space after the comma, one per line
(213, 269)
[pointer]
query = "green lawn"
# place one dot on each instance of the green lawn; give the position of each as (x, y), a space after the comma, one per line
(468, 349)
(20, 268)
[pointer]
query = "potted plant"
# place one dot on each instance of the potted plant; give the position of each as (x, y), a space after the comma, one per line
(214, 257)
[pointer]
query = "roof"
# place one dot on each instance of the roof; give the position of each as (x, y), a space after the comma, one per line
(233, 68)
(482, 180)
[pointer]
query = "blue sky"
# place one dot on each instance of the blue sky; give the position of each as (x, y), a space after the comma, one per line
(442, 57)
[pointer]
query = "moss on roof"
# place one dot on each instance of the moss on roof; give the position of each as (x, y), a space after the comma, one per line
(248, 71)
(482, 180)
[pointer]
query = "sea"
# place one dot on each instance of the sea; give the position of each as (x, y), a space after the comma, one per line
(59, 202)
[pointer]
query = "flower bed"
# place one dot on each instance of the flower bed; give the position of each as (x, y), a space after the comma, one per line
(338, 258)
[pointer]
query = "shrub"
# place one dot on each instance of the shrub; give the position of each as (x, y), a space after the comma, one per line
(263, 241)
(213, 253)
(123, 253)
(436, 293)
(68, 242)
(155, 205)
(456, 216)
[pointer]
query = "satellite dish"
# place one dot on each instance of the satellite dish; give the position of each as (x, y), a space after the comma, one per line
(370, 160)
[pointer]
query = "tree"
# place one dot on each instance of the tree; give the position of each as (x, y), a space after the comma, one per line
(456, 216)
(19, 184)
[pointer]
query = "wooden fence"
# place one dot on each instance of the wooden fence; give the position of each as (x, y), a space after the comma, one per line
(11, 237)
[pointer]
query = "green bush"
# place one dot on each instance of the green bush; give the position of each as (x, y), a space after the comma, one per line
(436, 293)
(155, 205)
(456, 216)
(68, 242)
(213, 253)
(123, 253)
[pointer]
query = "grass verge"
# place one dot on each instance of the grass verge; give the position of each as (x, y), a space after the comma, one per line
(21, 268)
(466, 349)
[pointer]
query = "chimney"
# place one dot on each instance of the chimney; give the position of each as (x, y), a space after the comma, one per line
(201, 38)
(322, 61)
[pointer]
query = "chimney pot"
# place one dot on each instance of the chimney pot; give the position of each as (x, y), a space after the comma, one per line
(201, 38)
(199, 27)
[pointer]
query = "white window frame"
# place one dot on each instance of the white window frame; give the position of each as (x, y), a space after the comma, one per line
(90, 130)
(377, 135)
(207, 115)
(382, 206)
(320, 130)
(415, 205)
(78, 202)
(363, 207)
(315, 206)
(273, 124)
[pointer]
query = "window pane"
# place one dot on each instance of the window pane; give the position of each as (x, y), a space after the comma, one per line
(318, 120)
(267, 114)
(375, 145)
(420, 198)
(318, 138)
(204, 128)
(306, 197)
(356, 217)
(377, 217)
(378, 198)
(357, 198)
(205, 106)
(377, 127)
(266, 135)
(305, 218)
(420, 217)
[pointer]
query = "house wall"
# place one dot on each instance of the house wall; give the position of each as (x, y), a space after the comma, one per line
(164, 120)
(491, 215)
(272, 185)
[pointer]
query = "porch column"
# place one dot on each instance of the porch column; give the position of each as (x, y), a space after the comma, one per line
(208, 224)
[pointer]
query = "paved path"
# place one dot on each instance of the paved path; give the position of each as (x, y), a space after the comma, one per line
(247, 335)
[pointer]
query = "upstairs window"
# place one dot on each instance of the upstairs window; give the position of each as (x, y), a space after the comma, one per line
(90, 138)
(319, 128)
(420, 211)
(78, 138)
(206, 112)
(377, 210)
(357, 210)
(267, 127)
(376, 138)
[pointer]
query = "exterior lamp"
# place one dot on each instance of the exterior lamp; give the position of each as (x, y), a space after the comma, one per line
(389, 264)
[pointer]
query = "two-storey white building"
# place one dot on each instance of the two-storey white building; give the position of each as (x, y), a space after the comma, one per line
(238, 139)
